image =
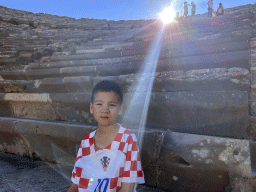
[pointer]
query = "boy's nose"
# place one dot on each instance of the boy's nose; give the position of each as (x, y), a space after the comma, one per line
(105, 108)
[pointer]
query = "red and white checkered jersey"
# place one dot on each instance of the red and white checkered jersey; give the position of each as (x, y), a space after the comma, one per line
(104, 170)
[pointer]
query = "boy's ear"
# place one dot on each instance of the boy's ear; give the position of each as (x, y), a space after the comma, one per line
(91, 108)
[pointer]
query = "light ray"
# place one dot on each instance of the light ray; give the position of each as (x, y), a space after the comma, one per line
(136, 113)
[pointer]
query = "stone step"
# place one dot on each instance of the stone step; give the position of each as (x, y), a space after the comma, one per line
(178, 47)
(7, 61)
(142, 49)
(207, 113)
(174, 43)
(228, 60)
(61, 64)
(185, 50)
(46, 73)
(215, 79)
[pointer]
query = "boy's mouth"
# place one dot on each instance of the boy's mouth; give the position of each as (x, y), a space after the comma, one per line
(104, 117)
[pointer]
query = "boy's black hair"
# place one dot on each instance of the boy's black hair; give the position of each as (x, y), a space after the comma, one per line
(107, 86)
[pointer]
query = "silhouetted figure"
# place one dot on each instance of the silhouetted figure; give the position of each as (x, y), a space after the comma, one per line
(185, 4)
(193, 8)
(210, 6)
(109, 28)
(220, 10)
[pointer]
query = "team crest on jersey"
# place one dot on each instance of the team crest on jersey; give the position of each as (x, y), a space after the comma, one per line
(105, 162)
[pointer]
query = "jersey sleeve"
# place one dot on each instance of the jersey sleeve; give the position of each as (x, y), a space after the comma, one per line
(77, 170)
(133, 172)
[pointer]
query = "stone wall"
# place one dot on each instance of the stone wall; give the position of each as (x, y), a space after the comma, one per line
(202, 109)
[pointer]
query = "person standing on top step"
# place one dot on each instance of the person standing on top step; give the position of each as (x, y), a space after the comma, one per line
(220, 10)
(108, 159)
(210, 6)
(193, 8)
(185, 4)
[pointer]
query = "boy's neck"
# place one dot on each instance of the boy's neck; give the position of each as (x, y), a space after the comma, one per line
(110, 129)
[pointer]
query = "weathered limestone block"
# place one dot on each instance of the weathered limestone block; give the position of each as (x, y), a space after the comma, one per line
(87, 70)
(198, 49)
(48, 85)
(242, 32)
(7, 61)
(253, 84)
(12, 75)
(66, 107)
(13, 87)
(33, 110)
(252, 108)
(224, 40)
(149, 142)
(73, 107)
(101, 48)
(251, 130)
(32, 106)
(73, 63)
(213, 79)
(16, 21)
(42, 73)
(61, 141)
(206, 113)
(10, 140)
(48, 73)
(1, 86)
(227, 60)
(203, 163)
(253, 43)
(253, 57)
(129, 82)
(106, 54)
(117, 69)
(81, 84)
(5, 109)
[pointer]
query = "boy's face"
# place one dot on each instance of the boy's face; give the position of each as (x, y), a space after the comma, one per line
(106, 108)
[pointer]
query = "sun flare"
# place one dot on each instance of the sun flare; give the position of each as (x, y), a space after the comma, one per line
(167, 15)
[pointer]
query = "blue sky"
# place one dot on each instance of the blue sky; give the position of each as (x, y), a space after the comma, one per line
(112, 9)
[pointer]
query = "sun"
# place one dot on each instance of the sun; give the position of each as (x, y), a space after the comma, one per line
(167, 15)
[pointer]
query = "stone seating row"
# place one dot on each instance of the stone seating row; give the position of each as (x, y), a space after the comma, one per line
(214, 113)
(214, 79)
(228, 60)
(203, 43)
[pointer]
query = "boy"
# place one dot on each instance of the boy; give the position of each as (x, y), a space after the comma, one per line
(108, 159)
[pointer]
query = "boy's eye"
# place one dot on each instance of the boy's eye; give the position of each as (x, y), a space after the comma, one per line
(112, 104)
(98, 104)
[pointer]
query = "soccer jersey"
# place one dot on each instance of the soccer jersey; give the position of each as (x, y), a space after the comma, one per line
(104, 170)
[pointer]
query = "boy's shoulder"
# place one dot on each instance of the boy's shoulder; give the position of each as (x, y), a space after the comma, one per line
(127, 132)
(88, 136)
